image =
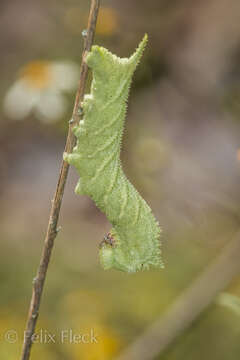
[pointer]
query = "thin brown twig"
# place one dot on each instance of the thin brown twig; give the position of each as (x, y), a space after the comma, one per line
(52, 230)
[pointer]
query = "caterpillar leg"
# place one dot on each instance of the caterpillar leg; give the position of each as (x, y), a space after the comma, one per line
(72, 159)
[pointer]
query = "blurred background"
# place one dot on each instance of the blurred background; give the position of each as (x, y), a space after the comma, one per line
(181, 150)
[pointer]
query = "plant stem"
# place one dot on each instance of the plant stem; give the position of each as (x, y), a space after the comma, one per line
(52, 230)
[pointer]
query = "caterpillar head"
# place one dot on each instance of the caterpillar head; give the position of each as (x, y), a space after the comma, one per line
(113, 256)
(108, 239)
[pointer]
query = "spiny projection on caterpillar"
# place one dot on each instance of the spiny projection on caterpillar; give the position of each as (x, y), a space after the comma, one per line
(133, 242)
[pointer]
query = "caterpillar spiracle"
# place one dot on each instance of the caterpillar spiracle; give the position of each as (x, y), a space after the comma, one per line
(133, 242)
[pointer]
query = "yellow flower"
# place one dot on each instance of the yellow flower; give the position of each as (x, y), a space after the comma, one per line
(86, 312)
(105, 346)
(37, 74)
(106, 25)
(107, 21)
(39, 89)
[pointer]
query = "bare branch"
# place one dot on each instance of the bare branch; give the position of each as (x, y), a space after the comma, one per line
(52, 230)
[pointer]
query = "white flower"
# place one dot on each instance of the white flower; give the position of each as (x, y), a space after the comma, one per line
(40, 89)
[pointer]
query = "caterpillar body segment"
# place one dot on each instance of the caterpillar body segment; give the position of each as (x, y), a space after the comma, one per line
(135, 234)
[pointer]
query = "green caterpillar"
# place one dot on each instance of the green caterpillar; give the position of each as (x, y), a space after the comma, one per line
(133, 242)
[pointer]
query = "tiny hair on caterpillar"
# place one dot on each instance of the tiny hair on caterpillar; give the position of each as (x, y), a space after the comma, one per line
(133, 243)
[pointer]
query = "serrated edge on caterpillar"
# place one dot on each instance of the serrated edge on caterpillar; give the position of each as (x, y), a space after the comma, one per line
(133, 242)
